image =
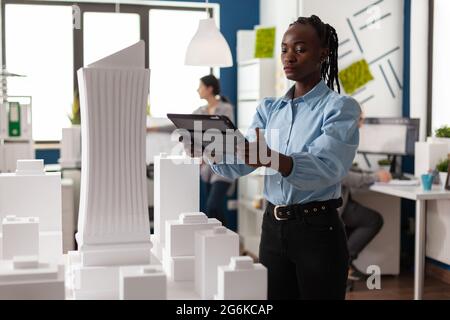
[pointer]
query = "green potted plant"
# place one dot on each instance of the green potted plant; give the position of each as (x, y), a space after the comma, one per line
(442, 135)
(442, 132)
(442, 168)
(385, 164)
(74, 117)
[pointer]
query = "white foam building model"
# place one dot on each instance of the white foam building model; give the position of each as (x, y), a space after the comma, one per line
(213, 248)
(142, 283)
(22, 275)
(20, 236)
(30, 191)
(26, 278)
(179, 253)
(242, 280)
(71, 147)
(176, 190)
(113, 222)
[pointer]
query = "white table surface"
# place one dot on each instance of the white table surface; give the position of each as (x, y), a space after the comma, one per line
(411, 192)
(421, 196)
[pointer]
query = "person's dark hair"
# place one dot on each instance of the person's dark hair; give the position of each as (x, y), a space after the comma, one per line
(211, 81)
(328, 39)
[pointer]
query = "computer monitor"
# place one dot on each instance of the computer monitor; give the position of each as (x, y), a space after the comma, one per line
(389, 136)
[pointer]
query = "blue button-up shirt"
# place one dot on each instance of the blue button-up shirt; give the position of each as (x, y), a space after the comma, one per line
(319, 131)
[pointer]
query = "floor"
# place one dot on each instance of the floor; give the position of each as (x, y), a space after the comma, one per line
(394, 287)
(400, 288)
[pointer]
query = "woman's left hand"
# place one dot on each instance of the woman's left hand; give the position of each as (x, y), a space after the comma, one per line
(258, 154)
(255, 154)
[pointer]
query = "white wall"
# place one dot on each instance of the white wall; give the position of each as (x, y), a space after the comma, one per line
(375, 41)
(1, 38)
(369, 43)
(279, 14)
(441, 66)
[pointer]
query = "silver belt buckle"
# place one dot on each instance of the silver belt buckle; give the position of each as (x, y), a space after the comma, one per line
(275, 213)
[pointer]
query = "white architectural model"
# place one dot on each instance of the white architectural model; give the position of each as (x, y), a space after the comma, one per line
(178, 255)
(113, 223)
(142, 283)
(177, 190)
(242, 280)
(11, 152)
(32, 192)
(22, 276)
(213, 248)
(20, 237)
(71, 147)
(25, 278)
(89, 283)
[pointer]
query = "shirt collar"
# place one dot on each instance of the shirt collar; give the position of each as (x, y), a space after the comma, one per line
(311, 98)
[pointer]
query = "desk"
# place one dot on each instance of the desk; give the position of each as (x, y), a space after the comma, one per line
(417, 194)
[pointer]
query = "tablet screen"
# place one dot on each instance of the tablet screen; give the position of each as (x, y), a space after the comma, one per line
(189, 121)
(205, 124)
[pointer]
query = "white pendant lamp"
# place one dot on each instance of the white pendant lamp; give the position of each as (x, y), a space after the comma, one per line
(208, 47)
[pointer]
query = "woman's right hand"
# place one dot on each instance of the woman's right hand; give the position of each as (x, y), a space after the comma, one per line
(195, 150)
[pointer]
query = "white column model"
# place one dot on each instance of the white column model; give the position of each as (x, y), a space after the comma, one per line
(71, 147)
(113, 226)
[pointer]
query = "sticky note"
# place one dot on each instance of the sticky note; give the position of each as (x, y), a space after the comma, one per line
(265, 43)
(355, 76)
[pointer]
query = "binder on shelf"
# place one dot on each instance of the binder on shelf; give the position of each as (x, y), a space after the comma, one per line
(14, 128)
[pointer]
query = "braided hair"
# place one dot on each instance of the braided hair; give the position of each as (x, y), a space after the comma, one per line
(328, 39)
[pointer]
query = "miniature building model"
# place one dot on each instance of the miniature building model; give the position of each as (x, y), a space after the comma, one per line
(179, 177)
(32, 192)
(113, 225)
(179, 254)
(213, 248)
(242, 280)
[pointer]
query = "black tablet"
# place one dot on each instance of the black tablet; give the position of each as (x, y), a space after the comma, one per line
(206, 122)
(186, 121)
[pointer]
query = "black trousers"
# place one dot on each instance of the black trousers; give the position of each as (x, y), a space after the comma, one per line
(362, 225)
(306, 258)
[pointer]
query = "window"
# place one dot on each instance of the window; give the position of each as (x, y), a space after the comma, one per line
(441, 65)
(39, 44)
(173, 86)
(106, 33)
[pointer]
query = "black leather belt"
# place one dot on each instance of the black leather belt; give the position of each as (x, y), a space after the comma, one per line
(289, 212)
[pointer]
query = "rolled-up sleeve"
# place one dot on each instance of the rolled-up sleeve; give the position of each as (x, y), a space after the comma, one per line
(235, 168)
(330, 155)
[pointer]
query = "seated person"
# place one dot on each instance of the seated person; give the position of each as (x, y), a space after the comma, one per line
(362, 224)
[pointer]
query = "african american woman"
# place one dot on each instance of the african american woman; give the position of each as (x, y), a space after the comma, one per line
(303, 242)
